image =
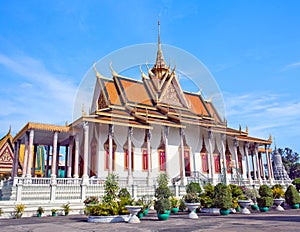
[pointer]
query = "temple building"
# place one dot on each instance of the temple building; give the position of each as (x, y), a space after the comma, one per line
(141, 128)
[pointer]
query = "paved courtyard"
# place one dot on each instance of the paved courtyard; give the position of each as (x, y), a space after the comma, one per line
(270, 221)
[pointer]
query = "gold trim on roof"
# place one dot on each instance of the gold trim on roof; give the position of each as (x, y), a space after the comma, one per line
(41, 126)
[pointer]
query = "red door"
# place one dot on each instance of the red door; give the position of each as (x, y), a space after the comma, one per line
(187, 166)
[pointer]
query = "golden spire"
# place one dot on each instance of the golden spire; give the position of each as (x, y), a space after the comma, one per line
(160, 61)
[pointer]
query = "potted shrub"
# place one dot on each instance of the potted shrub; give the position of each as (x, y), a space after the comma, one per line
(192, 202)
(162, 193)
(148, 204)
(182, 206)
(66, 208)
(278, 194)
(113, 204)
(39, 211)
(53, 212)
(92, 200)
(19, 210)
(192, 199)
(206, 199)
(292, 197)
(237, 194)
(245, 200)
(162, 207)
(124, 200)
(265, 201)
(174, 205)
(193, 187)
(223, 198)
(252, 194)
(140, 202)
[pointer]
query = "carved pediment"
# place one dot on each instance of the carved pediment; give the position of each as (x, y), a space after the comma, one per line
(6, 156)
(171, 96)
(101, 101)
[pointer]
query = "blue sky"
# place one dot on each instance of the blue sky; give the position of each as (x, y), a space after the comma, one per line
(252, 48)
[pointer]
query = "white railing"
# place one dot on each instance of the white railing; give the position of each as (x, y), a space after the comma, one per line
(96, 181)
(68, 181)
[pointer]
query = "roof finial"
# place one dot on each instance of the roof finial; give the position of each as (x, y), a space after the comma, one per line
(158, 40)
(160, 61)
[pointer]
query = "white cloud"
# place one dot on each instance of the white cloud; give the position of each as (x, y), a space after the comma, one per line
(265, 114)
(293, 65)
(39, 94)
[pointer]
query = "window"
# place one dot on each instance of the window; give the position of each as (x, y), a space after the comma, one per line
(145, 164)
(204, 159)
(187, 166)
(240, 163)
(228, 163)
(217, 163)
(162, 160)
(106, 153)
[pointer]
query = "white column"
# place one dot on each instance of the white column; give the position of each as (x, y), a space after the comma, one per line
(15, 166)
(25, 155)
(253, 164)
(85, 150)
(69, 167)
(149, 155)
(66, 160)
(129, 151)
(30, 153)
(76, 158)
(223, 140)
(54, 155)
(248, 162)
(262, 165)
(210, 155)
(236, 144)
(269, 164)
(48, 162)
(182, 173)
(110, 147)
(257, 162)
(166, 135)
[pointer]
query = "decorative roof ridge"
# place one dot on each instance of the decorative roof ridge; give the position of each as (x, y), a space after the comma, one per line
(129, 79)
(98, 75)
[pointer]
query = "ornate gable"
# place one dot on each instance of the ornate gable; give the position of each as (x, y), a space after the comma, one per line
(171, 96)
(102, 101)
(6, 154)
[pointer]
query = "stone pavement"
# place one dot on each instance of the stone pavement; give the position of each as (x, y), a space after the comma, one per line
(274, 221)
